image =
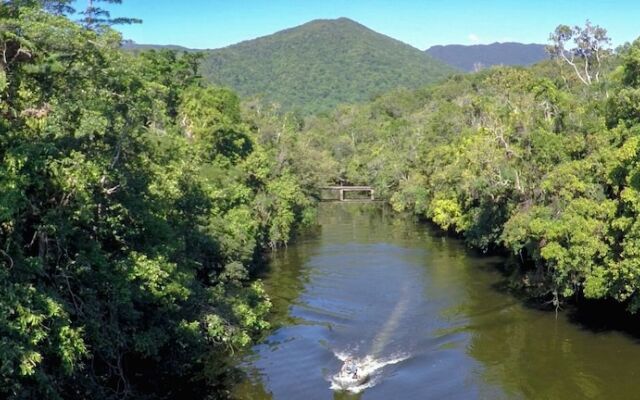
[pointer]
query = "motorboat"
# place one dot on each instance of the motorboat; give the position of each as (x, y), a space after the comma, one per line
(350, 376)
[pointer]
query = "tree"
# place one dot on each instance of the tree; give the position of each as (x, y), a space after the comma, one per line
(631, 58)
(57, 7)
(590, 50)
(95, 17)
(625, 106)
(125, 244)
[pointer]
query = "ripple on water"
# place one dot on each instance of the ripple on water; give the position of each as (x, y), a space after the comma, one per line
(425, 318)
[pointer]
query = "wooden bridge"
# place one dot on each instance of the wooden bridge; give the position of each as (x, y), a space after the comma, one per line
(344, 189)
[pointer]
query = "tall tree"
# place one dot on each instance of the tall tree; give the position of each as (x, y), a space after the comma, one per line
(56, 7)
(592, 46)
(125, 244)
(95, 16)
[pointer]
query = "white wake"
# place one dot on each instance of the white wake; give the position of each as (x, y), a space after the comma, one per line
(373, 364)
(368, 366)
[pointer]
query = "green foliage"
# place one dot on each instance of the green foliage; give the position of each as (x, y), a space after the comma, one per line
(319, 65)
(631, 70)
(95, 17)
(522, 159)
(133, 203)
(135, 200)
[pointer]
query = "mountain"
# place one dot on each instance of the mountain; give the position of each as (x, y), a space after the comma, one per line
(315, 66)
(471, 58)
(130, 45)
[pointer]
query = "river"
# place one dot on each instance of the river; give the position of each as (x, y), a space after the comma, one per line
(429, 319)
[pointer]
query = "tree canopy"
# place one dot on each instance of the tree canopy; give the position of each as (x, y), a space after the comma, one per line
(136, 200)
(134, 203)
(316, 66)
(528, 160)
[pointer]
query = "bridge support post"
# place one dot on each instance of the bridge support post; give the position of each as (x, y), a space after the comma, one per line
(371, 192)
(341, 194)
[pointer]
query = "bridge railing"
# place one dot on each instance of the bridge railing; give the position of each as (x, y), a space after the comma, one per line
(342, 190)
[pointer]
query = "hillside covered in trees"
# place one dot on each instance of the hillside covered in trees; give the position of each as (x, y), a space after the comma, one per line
(137, 200)
(321, 64)
(541, 162)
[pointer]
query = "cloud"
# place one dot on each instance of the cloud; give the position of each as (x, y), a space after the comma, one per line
(473, 38)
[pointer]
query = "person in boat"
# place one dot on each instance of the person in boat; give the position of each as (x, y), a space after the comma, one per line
(349, 368)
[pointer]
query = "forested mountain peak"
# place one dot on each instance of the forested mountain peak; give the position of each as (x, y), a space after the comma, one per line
(338, 26)
(317, 65)
(138, 203)
(324, 23)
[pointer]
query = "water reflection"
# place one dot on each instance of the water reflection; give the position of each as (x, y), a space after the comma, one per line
(371, 283)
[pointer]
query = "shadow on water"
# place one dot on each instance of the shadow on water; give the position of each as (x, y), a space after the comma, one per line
(587, 351)
(370, 281)
(595, 316)
(605, 317)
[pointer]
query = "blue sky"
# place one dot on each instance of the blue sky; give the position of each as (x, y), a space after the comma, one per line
(218, 23)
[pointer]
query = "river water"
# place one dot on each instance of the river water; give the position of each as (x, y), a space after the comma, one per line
(427, 318)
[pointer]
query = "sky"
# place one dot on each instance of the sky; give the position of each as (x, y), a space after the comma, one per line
(420, 23)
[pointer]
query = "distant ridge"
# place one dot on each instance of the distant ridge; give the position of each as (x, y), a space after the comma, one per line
(318, 65)
(133, 46)
(470, 58)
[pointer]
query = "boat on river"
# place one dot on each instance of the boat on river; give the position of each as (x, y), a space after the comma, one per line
(350, 376)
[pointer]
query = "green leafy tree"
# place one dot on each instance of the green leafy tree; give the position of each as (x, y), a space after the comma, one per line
(94, 16)
(134, 202)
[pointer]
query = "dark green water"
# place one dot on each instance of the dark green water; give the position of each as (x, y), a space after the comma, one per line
(431, 317)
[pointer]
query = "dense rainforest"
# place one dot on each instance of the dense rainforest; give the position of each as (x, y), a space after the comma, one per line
(316, 66)
(137, 200)
(542, 162)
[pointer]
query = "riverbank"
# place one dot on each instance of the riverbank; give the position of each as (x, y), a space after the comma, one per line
(372, 283)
